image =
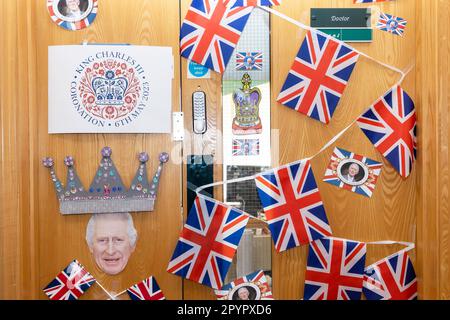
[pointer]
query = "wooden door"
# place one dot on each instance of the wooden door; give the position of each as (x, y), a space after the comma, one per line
(38, 239)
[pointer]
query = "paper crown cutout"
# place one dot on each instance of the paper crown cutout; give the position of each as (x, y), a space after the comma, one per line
(107, 193)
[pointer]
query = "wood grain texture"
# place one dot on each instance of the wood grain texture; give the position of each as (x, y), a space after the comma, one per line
(37, 240)
(390, 213)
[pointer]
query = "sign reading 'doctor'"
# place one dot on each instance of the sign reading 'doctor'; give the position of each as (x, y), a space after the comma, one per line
(350, 25)
(110, 89)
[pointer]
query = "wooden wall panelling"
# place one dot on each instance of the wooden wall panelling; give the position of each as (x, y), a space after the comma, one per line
(209, 143)
(389, 214)
(36, 242)
(433, 54)
(16, 229)
(61, 239)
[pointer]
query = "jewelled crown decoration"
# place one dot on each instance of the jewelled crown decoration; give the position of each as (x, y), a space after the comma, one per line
(246, 101)
(107, 192)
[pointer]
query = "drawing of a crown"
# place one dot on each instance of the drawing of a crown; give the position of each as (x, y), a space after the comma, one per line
(107, 193)
(109, 90)
(246, 101)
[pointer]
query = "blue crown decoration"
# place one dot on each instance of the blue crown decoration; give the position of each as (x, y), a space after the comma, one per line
(109, 90)
(106, 193)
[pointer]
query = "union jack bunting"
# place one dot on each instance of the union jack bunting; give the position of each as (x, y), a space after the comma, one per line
(208, 242)
(361, 181)
(318, 76)
(256, 3)
(250, 61)
(70, 284)
(210, 32)
(256, 284)
(392, 24)
(391, 279)
(390, 124)
(335, 270)
(245, 147)
(146, 290)
(292, 205)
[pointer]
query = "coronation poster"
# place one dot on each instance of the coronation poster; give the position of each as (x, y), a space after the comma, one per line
(109, 89)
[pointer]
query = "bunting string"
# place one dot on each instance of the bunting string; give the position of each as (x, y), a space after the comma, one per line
(306, 27)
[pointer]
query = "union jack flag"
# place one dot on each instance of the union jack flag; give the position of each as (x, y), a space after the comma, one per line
(391, 279)
(208, 242)
(147, 289)
(210, 32)
(70, 284)
(364, 182)
(390, 124)
(293, 206)
(245, 147)
(249, 61)
(318, 76)
(335, 270)
(392, 24)
(256, 280)
(256, 3)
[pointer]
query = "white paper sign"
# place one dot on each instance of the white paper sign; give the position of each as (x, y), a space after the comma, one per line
(109, 89)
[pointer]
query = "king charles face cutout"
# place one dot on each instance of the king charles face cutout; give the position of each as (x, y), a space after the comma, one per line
(111, 238)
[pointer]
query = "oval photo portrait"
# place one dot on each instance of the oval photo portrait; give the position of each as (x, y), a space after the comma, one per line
(245, 291)
(352, 172)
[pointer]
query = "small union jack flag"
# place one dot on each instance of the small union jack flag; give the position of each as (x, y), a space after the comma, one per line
(255, 282)
(390, 124)
(293, 206)
(392, 278)
(250, 61)
(365, 172)
(210, 32)
(318, 77)
(147, 289)
(256, 3)
(208, 242)
(392, 24)
(70, 284)
(335, 270)
(245, 147)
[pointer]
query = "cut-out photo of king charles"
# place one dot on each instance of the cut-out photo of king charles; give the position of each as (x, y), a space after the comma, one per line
(111, 238)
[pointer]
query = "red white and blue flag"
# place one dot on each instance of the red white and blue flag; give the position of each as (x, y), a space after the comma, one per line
(318, 76)
(70, 284)
(257, 281)
(249, 61)
(392, 24)
(292, 205)
(392, 278)
(390, 124)
(365, 181)
(245, 147)
(256, 3)
(208, 242)
(335, 270)
(147, 289)
(210, 32)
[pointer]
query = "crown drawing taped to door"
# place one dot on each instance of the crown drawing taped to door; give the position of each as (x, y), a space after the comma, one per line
(106, 193)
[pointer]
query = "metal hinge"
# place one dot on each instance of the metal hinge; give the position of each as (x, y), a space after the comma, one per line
(178, 126)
